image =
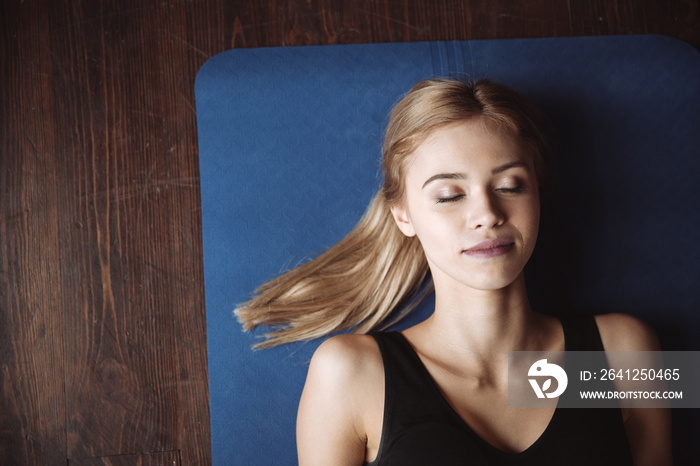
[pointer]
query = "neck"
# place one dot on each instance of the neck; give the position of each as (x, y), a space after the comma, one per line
(484, 324)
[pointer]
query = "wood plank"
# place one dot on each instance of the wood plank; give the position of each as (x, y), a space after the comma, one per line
(677, 18)
(32, 408)
(257, 24)
(125, 189)
(178, 62)
(170, 458)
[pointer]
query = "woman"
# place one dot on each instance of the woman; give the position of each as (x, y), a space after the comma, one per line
(463, 169)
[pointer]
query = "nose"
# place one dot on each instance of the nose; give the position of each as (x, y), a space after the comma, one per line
(484, 211)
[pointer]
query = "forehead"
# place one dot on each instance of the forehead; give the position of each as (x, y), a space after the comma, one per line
(471, 145)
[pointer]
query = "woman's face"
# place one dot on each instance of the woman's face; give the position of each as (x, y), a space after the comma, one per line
(472, 200)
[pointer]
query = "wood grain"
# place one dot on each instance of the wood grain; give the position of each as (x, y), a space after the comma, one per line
(169, 458)
(678, 18)
(32, 414)
(102, 318)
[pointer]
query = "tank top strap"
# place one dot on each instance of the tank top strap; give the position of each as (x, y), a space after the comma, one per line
(402, 365)
(581, 333)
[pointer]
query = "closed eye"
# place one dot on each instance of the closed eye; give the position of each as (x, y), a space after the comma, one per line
(446, 199)
(513, 190)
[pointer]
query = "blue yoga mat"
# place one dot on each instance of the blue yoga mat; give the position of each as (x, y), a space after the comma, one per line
(289, 148)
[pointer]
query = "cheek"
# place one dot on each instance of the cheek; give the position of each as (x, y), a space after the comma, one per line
(525, 215)
(534, 212)
(439, 235)
(530, 218)
(422, 221)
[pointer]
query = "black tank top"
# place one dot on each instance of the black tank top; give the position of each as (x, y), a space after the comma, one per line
(421, 428)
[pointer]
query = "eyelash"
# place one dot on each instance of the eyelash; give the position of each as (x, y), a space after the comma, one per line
(443, 200)
(515, 190)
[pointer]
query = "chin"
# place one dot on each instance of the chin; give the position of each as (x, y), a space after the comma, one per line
(491, 278)
(493, 283)
(491, 286)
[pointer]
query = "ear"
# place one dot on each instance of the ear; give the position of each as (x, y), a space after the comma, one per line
(403, 220)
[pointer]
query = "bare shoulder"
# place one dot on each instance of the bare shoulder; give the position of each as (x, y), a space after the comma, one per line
(648, 430)
(347, 357)
(343, 367)
(341, 398)
(623, 332)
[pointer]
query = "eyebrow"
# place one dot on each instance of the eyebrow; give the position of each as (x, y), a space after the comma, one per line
(508, 166)
(462, 176)
(444, 176)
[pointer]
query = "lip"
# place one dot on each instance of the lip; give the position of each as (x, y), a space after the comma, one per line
(491, 248)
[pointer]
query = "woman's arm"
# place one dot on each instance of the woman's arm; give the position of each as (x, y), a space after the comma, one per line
(331, 422)
(648, 429)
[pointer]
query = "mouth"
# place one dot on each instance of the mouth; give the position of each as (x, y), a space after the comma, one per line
(490, 248)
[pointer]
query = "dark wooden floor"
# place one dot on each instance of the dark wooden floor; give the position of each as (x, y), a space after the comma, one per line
(103, 357)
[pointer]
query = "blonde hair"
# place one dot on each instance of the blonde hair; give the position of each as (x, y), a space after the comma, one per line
(357, 283)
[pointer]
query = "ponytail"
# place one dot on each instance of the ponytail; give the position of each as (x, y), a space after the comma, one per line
(355, 284)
